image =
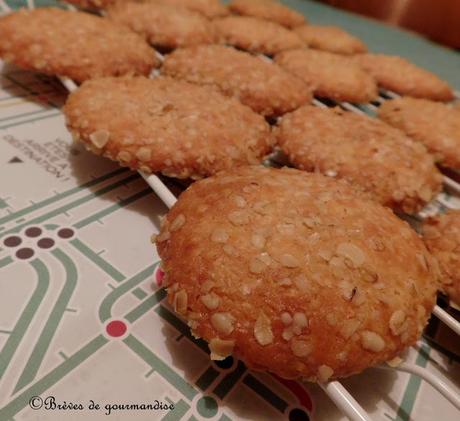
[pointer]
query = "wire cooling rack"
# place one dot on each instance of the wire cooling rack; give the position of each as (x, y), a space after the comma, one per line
(334, 389)
(336, 392)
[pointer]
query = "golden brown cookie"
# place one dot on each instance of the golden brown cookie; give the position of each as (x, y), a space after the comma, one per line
(209, 8)
(375, 157)
(255, 35)
(403, 77)
(434, 124)
(264, 86)
(331, 75)
(442, 237)
(73, 44)
(164, 125)
(163, 25)
(330, 38)
(318, 284)
(269, 10)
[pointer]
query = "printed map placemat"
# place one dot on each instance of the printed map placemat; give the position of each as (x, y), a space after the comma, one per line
(85, 330)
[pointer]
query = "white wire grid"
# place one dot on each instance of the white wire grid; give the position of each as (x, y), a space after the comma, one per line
(336, 392)
(334, 389)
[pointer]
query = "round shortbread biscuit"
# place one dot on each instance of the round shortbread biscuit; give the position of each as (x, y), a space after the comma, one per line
(332, 76)
(403, 77)
(73, 44)
(209, 8)
(295, 273)
(269, 10)
(434, 124)
(264, 86)
(164, 125)
(255, 35)
(164, 26)
(330, 38)
(375, 157)
(442, 237)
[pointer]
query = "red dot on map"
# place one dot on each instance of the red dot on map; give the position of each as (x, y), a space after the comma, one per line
(116, 328)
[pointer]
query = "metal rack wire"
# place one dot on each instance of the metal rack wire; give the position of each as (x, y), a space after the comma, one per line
(448, 182)
(334, 389)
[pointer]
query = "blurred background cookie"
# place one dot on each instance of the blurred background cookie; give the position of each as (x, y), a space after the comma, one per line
(255, 35)
(442, 237)
(73, 44)
(317, 284)
(434, 124)
(164, 125)
(269, 10)
(380, 160)
(331, 75)
(330, 38)
(264, 86)
(403, 77)
(163, 25)
(209, 8)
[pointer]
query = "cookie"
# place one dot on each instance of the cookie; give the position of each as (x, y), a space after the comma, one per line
(332, 76)
(264, 86)
(255, 35)
(269, 10)
(442, 237)
(395, 171)
(317, 284)
(399, 75)
(209, 8)
(434, 124)
(330, 38)
(168, 126)
(163, 25)
(73, 44)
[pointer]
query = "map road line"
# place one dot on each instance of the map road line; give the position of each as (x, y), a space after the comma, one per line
(50, 379)
(160, 367)
(38, 353)
(43, 279)
(102, 264)
(59, 196)
(71, 205)
(105, 309)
